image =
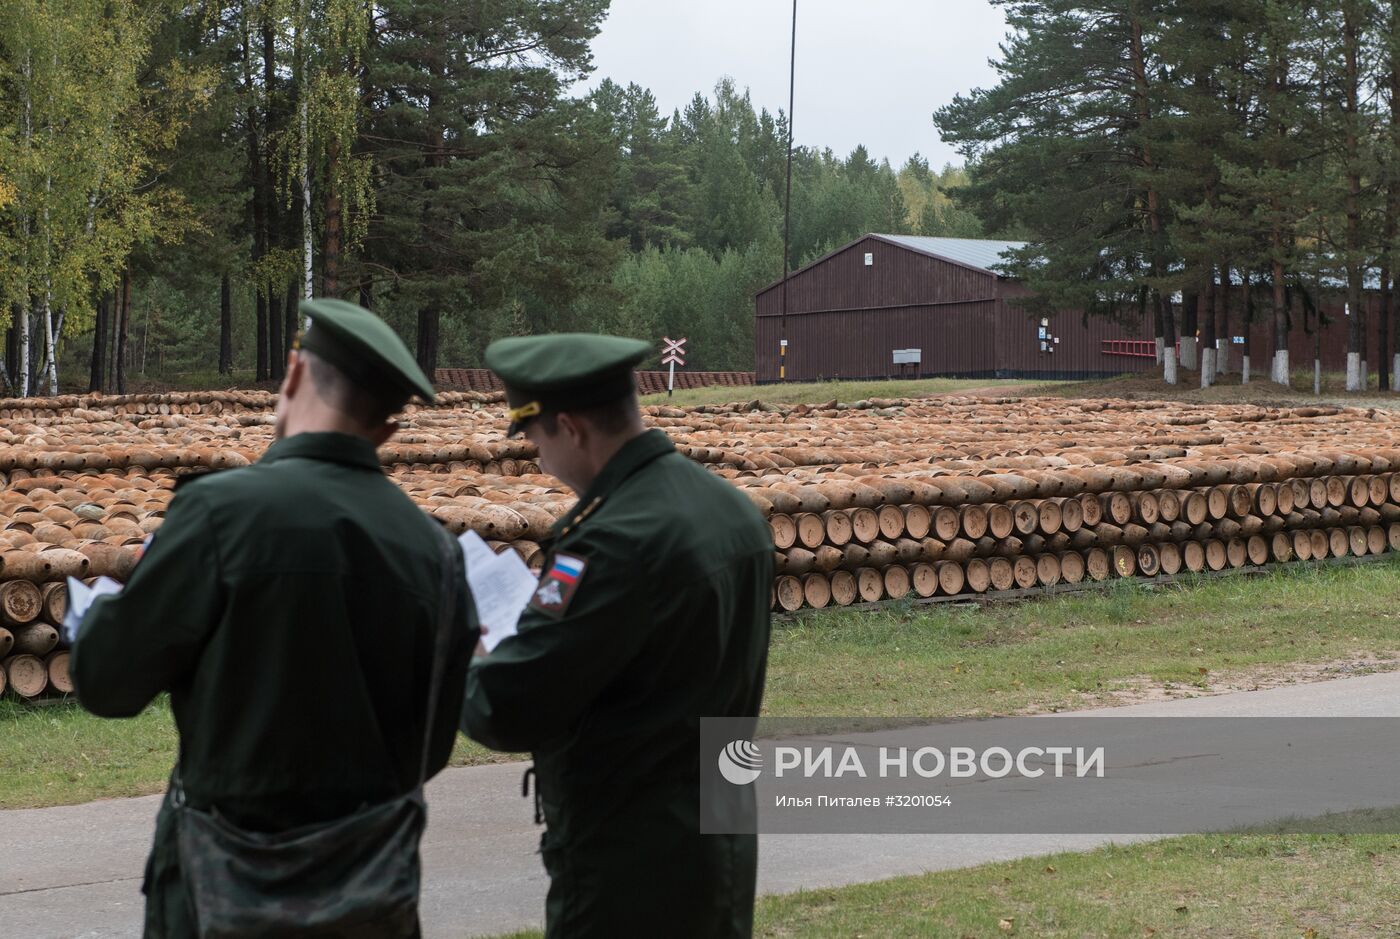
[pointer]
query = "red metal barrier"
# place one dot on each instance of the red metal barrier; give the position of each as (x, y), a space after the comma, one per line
(1133, 348)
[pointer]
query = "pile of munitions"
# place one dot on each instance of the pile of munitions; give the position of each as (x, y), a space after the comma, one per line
(866, 501)
(648, 382)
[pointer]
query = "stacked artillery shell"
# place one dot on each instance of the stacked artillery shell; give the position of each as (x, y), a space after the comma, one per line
(930, 534)
(85, 480)
(30, 658)
(1015, 502)
(883, 499)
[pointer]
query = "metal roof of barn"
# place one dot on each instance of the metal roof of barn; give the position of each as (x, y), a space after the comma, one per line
(981, 253)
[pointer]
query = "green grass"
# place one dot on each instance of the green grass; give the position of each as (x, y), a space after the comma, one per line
(1070, 651)
(1081, 650)
(154, 382)
(1218, 886)
(821, 392)
(1225, 887)
(1227, 390)
(202, 380)
(58, 754)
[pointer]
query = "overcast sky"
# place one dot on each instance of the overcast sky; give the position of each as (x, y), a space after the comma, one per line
(868, 71)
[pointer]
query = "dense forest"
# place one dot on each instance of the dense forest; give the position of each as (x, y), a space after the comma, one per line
(1161, 150)
(175, 176)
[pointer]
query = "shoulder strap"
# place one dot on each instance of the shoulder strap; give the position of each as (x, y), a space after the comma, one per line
(447, 603)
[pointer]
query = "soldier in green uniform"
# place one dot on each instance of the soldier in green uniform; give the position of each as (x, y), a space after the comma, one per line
(652, 612)
(290, 608)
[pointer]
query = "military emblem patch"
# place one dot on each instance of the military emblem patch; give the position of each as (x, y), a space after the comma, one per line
(558, 585)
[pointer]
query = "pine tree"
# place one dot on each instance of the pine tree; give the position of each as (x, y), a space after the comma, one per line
(732, 205)
(652, 191)
(490, 181)
(1063, 148)
(1350, 32)
(1204, 44)
(1389, 178)
(1265, 175)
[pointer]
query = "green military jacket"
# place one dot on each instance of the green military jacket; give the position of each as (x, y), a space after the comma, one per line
(653, 612)
(290, 610)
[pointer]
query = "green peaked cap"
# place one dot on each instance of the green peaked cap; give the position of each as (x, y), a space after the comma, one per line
(563, 371)
(364, 347)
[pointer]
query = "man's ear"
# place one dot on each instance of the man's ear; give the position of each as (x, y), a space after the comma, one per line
(573, 428)
(296, 374)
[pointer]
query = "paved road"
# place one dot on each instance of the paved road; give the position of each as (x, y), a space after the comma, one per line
(74, 871)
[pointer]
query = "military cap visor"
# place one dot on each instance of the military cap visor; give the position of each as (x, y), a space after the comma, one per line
(563, 372)
(365, 348)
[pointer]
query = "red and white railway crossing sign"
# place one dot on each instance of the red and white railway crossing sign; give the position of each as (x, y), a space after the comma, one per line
(672, 354)
(672, 351)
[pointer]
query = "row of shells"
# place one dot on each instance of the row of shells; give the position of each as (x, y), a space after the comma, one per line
(897, 487)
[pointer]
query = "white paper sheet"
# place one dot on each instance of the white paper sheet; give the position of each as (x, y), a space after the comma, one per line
(80, 597)
(475, 550)
(501, 585)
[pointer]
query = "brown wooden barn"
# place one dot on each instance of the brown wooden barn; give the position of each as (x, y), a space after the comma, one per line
(852, 313)
(905, 306)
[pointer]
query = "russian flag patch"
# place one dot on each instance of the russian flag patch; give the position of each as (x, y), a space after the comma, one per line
(567, 569)
(557, 586)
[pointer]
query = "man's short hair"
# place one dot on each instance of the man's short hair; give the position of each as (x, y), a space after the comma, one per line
(614, 417)
(336, 389)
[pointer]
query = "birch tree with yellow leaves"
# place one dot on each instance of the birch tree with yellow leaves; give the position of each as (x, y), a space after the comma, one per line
(81, 124)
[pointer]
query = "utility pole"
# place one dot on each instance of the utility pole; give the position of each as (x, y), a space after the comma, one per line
(787, 201)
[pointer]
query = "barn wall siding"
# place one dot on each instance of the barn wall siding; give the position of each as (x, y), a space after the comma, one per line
(845, 319)
(1302, 343)
(898, 277)
(986, 340)
(1080, 350)
(858, 343)
(1302, 337)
